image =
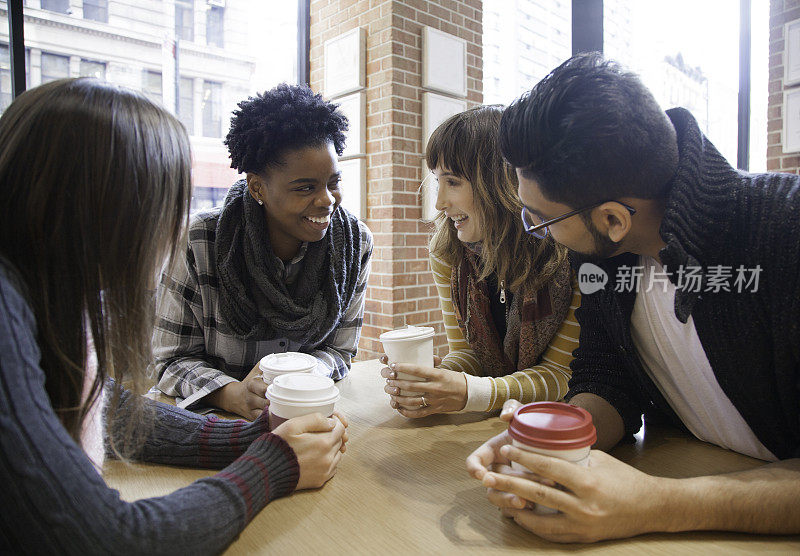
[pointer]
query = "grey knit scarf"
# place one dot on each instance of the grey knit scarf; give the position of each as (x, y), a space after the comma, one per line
(255, 301)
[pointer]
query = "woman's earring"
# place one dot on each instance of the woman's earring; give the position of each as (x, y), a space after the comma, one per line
(260, 202)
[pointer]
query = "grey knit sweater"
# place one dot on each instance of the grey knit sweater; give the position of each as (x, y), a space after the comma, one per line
(715, 216)
(55, 502)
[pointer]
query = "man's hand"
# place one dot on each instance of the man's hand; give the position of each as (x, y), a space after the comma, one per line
(607, 500)
(247, 398)
(443, 390)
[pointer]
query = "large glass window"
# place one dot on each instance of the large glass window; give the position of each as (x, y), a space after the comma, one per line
(680, 60)
(96, 10)
(214, 26)
(147, 43)
(212, 102)
(522, 41)
(184, 20)
(54, 66)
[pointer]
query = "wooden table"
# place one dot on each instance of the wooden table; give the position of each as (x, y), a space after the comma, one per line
(402, 487)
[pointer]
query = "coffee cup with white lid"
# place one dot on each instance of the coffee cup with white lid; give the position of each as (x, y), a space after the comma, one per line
(297, 394)
(552, 429)
(276, 364)
(410, 344)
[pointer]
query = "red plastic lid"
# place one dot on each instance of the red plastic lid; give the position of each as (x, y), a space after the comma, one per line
(552, 426)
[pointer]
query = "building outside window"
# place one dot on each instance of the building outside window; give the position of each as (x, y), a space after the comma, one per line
(153, 87)
(90, 68)
(215, 17)
(138, 50)
(60, 6)
(184, 20)
(212, 102)
(96, 10)
(54, 66)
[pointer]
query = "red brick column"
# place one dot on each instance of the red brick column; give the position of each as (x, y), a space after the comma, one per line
(780, 13)
(401, 287)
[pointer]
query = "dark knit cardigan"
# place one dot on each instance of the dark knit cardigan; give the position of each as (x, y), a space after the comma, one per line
(715, 215)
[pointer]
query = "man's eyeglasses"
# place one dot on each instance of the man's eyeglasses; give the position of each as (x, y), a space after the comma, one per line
(534, 225)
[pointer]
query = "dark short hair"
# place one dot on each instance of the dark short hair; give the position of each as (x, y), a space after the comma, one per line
(588, 132)
(286, 118)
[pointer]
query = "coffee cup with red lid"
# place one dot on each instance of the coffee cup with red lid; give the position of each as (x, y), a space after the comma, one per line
(552, 429)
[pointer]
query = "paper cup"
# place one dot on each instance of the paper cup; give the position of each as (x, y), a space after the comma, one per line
(277, 364)
(552, 429)
(297, 394)
(411, 344)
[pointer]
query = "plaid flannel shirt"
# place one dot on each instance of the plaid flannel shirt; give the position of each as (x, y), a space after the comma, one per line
(195, 351)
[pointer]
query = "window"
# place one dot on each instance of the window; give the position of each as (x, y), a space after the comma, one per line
(214, 25)
(96, 10)
(186, 105)
(520, 34)
(60, 6)
(184, 20)
(234, 64)
(153, 87)
(212, 109)
(93, 69)
(54, 67)
(677, 64)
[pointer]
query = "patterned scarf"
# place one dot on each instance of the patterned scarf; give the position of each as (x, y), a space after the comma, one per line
(532, 318)
(255, 301)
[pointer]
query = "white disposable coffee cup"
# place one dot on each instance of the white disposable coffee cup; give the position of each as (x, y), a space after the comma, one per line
(277, 364)
(552, 429)
(410, 344)
(297, 394)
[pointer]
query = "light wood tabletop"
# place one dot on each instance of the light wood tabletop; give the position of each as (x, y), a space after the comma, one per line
(402, 487)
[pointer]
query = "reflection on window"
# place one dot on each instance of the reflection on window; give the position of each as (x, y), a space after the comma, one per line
(60, 6)
(96, 10)
(184, 20)
(186, 105)
(212, 101)
(54, 67)
(153, 86)
(93, 69)
(214, 26)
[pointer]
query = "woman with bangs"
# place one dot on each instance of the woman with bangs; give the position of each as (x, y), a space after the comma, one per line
(508, 299)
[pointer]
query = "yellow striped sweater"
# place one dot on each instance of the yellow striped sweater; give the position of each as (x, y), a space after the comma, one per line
(545, 381)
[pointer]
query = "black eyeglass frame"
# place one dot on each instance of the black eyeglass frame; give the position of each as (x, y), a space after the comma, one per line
(532, 230)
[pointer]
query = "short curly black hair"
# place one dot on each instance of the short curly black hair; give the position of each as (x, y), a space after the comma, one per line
(288, 117)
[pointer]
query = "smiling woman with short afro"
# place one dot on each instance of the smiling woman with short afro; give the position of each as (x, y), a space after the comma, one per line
(285, 118)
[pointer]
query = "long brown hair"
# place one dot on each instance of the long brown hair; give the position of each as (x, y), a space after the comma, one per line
(94, 194)
(466, 144)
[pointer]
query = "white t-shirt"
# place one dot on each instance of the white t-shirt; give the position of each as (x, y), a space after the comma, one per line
(675, 360)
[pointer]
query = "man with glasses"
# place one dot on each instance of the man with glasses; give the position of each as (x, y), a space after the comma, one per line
(692, 315)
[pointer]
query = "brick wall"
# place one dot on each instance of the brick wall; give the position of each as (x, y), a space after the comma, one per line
(780, 12)
(401, 289)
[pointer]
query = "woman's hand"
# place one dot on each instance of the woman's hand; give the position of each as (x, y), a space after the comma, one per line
(441, 390)
(318, 442)
(247, 398)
